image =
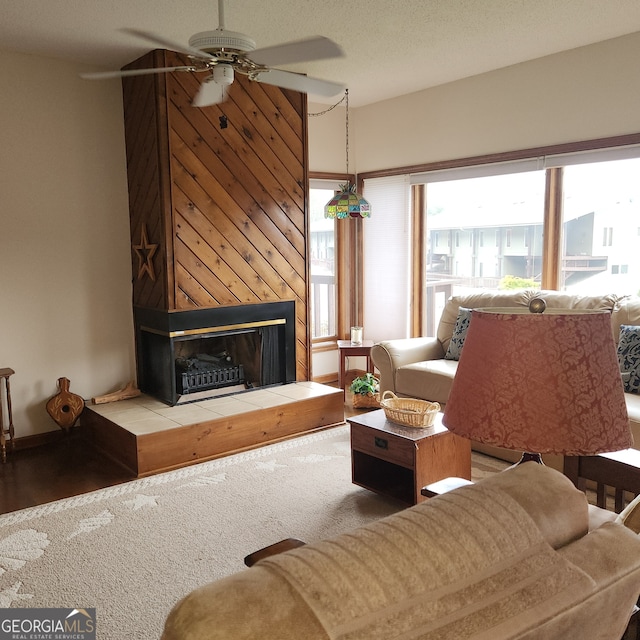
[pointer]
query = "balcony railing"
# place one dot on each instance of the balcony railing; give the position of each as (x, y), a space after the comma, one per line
(323, 306)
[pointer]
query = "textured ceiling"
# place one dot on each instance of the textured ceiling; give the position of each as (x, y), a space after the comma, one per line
(392, 47)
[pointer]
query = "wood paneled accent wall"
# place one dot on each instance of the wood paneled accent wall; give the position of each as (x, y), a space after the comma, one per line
(218, 213)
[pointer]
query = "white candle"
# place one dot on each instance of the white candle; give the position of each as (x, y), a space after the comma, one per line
(356, 335)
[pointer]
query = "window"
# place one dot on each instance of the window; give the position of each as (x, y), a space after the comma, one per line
(558, 221)
(491, 205)
(322, 247)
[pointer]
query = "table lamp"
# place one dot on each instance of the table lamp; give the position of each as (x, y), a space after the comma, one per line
(540, 382)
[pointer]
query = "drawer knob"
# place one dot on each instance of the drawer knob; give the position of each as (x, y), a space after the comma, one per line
(381, 443)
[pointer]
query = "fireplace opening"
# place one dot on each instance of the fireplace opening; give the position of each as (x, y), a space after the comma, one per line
(230, 360)
(182, 355)
(203, 372)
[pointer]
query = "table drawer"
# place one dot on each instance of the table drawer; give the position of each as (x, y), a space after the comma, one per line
(385, 446)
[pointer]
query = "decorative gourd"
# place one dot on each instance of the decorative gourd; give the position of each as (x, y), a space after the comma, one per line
(65, 407)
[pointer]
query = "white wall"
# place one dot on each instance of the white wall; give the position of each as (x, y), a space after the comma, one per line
(327, 151)
(65, 266)
(585, 93)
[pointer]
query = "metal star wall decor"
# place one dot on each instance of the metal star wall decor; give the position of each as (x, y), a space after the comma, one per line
(145, 252)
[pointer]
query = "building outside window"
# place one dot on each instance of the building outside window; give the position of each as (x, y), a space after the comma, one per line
(600, 204)
(601, 196)
(508, 210)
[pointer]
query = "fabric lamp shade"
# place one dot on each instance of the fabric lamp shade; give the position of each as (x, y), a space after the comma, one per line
(540, 382)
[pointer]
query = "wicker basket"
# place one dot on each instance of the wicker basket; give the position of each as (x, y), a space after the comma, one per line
(409, 412)
(368, 401)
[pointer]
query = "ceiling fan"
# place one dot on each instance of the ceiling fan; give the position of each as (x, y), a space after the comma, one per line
(224, 53)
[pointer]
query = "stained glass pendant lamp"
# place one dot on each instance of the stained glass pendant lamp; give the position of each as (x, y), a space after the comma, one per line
(348, 203)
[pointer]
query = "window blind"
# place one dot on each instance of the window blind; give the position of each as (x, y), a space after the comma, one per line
(527, 164)
(387, 245)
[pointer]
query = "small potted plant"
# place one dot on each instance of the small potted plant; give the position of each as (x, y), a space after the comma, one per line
(366, 391)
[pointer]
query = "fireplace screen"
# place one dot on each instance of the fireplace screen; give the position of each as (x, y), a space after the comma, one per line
(203, 372)
(174, 363)
(217, 362)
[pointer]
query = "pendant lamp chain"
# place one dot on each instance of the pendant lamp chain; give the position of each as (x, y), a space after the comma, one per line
(346, 121)
(347, 203)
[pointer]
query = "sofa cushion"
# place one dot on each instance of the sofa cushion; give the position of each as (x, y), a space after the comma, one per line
(522, 298)
(627, 311)
(459, 334)
(436, 376)
(476, 300)
(629, 356)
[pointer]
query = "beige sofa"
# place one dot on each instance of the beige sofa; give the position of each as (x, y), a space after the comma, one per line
(416, 367)
(517, 555)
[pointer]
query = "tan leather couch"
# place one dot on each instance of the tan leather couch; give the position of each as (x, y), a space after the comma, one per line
(416, 367)
(516, 555)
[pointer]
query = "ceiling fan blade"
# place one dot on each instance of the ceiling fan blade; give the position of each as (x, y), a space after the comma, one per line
(103, 75)
(165, 43)
(299, 82)
(210, 93)
(316, 48)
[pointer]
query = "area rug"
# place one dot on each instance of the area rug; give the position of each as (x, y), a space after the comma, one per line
(133, 550)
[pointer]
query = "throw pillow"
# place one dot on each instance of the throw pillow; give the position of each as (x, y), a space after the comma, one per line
(459, 334)
(629, 356)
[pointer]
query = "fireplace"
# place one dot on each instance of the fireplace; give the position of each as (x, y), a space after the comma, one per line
(190, 355)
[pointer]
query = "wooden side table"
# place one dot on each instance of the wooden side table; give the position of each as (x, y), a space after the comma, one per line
(399, 461)
(346, 348)
(5, 430)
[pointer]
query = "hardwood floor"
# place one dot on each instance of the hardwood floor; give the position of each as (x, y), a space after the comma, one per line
(68, 467)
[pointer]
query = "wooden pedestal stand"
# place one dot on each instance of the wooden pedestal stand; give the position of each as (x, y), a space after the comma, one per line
(5, 431)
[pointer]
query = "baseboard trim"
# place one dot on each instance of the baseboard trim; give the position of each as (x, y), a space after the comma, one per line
(41, 439)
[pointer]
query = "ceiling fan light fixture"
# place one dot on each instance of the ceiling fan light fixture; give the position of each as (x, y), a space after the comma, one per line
(223, 74)
(212, 41)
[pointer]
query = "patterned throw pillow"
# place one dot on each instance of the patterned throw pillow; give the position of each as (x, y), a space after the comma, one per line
(629, 356)
(459, 334)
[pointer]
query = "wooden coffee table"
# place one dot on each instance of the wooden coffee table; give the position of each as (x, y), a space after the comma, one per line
(397, 461)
